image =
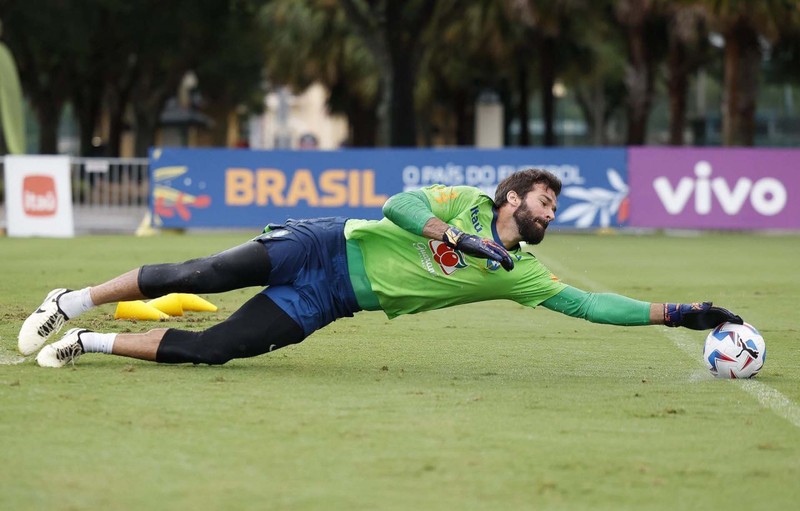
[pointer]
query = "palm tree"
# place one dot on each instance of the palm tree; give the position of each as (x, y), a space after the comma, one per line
(545, 32)
(643, 28)
(312, 41)
(470, 54)
(595, 73)
(393, 31)
(688, 52)
(745, 26)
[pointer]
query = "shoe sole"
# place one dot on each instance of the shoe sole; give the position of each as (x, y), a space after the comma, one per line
(32, 337)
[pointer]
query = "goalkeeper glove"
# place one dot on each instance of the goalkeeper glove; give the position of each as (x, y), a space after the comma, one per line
(698, 316)
(478, 247)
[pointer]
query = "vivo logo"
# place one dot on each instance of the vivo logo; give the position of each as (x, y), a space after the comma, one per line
(767, 195)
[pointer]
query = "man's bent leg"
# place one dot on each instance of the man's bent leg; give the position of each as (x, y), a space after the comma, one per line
(242, 266)
(245, 265)
(258, 327)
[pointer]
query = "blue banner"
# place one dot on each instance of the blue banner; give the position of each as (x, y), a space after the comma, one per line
(240, 188)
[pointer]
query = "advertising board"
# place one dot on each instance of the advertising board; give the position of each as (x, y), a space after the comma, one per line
(714, 188)
(243, 188)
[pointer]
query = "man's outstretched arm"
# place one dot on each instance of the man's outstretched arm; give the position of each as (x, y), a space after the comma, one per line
(614, 309)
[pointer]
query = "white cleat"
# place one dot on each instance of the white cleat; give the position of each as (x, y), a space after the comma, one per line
(47, 320)
(62, 352)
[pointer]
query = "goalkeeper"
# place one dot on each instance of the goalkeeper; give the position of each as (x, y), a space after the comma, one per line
(436, 247)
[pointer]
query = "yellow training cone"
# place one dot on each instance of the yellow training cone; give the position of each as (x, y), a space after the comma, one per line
(192, 302)
(168, 304)
(137, 309)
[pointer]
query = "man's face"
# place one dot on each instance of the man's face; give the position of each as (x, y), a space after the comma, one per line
(536, 210)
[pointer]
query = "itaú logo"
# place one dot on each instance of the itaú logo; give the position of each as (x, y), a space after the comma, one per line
(39, 196)
(767, 195)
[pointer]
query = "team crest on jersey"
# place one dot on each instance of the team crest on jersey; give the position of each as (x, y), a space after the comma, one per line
(449, 259)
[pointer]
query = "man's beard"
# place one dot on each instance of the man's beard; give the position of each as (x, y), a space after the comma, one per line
(530, 228)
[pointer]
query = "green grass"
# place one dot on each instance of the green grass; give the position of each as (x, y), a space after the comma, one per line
(487, 406)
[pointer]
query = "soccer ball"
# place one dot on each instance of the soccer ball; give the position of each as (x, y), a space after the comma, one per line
(734, 351)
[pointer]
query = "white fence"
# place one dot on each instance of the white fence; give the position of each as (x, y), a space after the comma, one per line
(108, 194)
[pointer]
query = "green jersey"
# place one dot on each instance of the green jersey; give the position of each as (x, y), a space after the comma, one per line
(409, 273)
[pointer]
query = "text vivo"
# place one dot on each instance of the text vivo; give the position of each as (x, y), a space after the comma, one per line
(767, 195)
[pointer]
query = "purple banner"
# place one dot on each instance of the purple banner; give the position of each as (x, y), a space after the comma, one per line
(731, 188)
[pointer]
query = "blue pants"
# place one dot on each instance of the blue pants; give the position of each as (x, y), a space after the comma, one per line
(309, 279)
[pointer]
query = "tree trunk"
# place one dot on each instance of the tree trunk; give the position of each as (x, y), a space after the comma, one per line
(220, 114)
(402, 112)
(742, 60)
(678, 85)
(639, 82)
(48, 115)
(384, 109)
(146, 126)
(87, 121)
(464, 105)
(147, 112)
(116, 125)
(592, 104)
(117, 102)
(148, 100)
(547, 46)
(599, 114)
(523, 108)
(363, 125)
(87, 100)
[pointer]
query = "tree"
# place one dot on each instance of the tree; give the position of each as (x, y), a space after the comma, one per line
(230, 69)
(42, 46)
(393, 32)
(644, 33)
(158, 43)
(784, 57)
(546, 33)
(688, 52)
(514, 47)
(465, 56)
(117, 54)
(312, 41)
(597, 75)
(744, 25)
(94, 50)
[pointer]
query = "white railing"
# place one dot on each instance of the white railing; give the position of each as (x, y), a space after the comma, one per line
(109, 182)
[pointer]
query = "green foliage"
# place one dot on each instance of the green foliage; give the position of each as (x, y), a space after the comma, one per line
(392, 61)
(130, 54)
(311, 40)
(487, 406)
(782, 66)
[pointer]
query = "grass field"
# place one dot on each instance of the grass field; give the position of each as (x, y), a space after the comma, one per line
(487, 406)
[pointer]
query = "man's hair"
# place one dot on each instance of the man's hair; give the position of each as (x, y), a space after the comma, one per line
(522, 182)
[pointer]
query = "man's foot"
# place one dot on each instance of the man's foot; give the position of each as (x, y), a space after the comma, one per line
(47, 320)
(62, 352)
